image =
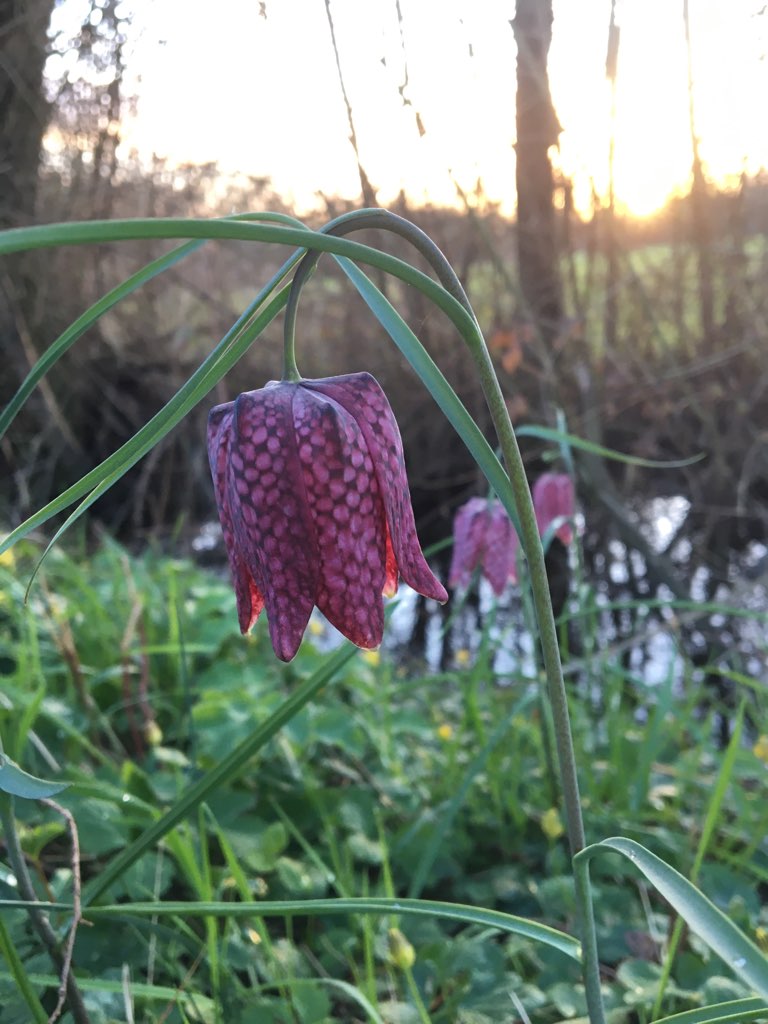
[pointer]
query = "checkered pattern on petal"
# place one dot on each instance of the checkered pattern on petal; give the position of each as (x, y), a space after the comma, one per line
(470, 527)
(272, 523)
(362, 397)
(501, 543)
(313, 501)
(250, 600)
(348, 514)
(553, 498)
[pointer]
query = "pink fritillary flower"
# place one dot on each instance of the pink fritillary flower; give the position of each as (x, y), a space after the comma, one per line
(313, 500)
(553, 498)
(483, 536)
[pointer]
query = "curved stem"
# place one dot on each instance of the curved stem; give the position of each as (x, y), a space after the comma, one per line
(360, 220)
(290, 369)
(531, 543)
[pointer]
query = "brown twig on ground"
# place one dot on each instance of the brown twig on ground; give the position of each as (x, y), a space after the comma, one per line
(66, 969)
(39, 918)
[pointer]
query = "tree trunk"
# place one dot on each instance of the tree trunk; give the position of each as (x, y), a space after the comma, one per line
(23, 107)
(23, 119)
(537, 130)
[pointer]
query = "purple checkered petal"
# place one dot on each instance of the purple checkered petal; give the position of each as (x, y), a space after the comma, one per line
(553, 498)
(361, 396)
(500, 561)
(272, 522)
(250, 601)
(348, 515)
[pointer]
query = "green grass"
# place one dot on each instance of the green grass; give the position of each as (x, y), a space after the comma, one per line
(127, 676)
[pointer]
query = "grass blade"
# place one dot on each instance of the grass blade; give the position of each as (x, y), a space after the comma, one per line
(23, 981)
(432, 378)
(147, 273)
(699, 913)
(719, 1013)
(573, 441)
(713, 814)
(457, 912)
(210, 371)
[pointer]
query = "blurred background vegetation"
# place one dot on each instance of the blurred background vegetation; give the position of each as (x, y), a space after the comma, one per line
(645, 335)
(125, 671)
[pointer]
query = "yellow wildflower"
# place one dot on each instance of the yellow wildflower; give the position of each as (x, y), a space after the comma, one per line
(462, 657)
(445, 731)
(401, 952)
(153, 734)
(760, 749)
(551, 824)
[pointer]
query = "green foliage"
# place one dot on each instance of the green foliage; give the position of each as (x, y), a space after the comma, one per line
(217, 792)
(129, 674)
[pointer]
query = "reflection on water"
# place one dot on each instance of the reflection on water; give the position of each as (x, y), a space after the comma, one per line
(662, 518)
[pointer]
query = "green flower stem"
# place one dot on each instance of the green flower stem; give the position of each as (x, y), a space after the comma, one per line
(359, 220)
(290, 369)
(413, 988)
(531, 543)
(39, 919)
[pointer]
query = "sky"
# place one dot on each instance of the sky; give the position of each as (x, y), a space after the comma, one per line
(254, 86)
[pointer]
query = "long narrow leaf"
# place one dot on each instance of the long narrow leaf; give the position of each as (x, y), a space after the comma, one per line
(207, 375)
(699, 913)
(710, 823)
(17, 782)
(23, 980)
(459, 912)
(138, 989)
(100, 231)
(435, 382)
(720, 1013)
(147, 273)
(560, 437)
(357, 905)
(67, 339)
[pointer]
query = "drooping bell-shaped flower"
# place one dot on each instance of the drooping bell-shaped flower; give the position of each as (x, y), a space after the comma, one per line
(484, 537)
(553, 499)
(313, 500)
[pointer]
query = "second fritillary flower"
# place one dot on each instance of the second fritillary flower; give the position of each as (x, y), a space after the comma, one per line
(483, 537)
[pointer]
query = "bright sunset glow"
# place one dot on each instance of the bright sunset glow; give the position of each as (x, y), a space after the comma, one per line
(261, 95)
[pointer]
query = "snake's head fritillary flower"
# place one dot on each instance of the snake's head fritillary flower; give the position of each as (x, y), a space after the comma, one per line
(483, 536)
(553, 498)
(313, 500)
